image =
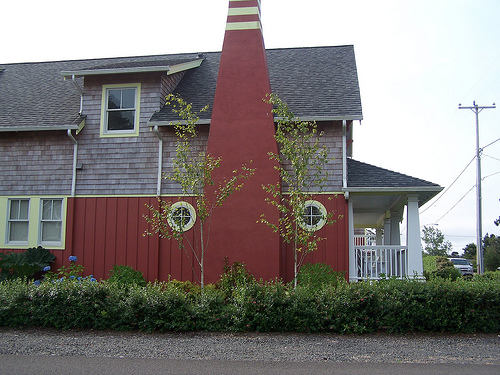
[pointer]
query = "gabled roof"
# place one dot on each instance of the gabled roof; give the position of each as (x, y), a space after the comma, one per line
(316, 82)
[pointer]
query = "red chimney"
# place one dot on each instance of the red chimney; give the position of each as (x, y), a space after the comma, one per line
(242, 131)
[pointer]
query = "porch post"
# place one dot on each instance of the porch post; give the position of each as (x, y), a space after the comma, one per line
(387, 228)
(413, 238)
(379, 237)
(352, 254)
(395, 232)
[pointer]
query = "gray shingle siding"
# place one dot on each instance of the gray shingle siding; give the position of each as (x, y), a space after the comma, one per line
(318, 81)
(35, 163)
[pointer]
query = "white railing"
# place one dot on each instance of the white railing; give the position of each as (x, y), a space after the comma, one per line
(374, 262)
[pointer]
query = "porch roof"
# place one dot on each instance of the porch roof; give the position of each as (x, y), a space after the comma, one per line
(375, 191)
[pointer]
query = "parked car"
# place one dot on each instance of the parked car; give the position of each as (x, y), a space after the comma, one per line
(463, 265)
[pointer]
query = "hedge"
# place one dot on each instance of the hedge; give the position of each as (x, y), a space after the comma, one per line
(394, 306)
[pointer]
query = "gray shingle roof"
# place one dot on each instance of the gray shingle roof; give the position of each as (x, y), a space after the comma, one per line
(363, 175)
(313, 81)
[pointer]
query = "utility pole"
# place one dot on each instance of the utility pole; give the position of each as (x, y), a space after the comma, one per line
(477, 109)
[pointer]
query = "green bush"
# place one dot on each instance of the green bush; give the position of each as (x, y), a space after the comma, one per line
(316, 275)
(125, 275)
(25, 264)
(440, 267)
(395, 306)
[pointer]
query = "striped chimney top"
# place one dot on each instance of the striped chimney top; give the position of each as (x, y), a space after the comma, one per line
(243, 15)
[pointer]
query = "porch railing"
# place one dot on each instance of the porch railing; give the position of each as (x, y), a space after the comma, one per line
(374, 262)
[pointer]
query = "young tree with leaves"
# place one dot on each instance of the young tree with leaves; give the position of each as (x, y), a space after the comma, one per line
(435, 244)
(192, 170)
(301, 163)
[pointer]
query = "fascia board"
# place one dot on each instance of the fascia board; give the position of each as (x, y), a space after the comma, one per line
(173, 123)
(68, 74)
(393, 190)
(170, 69)
(4, 129)
(325, 118)
(184, 66)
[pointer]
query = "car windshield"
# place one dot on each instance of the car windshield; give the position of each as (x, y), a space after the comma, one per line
(460, 262)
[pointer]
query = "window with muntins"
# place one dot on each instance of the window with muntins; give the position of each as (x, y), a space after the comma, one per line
(120, 112)
(314, 216)
(18, 222)
(182, 217)
(51, 221)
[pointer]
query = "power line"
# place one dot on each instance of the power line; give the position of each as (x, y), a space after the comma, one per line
(491, 143)
(447, 212)
(448, 188)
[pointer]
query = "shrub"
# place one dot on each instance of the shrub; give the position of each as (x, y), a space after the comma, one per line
(234, 277)
(126, 275)
(439, 267)
(315, 275)
(395, 306)
(25, 264)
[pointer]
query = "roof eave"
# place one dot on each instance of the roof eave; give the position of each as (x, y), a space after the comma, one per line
(170, 69)
(4, 129)
(392, 190)
(173, 123)
(327, 118)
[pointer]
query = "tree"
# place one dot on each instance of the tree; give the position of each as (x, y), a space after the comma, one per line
(435, 244)
(301, 163)
(192, 170)
(470, 251)
(491, 247)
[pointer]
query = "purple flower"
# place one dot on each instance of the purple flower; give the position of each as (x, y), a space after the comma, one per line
(73, 258)
(93, 279)
(37, 282)
(72, 277)
(46, 268)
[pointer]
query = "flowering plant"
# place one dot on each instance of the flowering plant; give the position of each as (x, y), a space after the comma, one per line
(71, 272)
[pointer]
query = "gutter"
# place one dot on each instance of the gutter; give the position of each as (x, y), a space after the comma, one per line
(160, 159)
(75, 154)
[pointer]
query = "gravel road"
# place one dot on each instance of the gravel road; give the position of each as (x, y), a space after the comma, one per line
(379, 348)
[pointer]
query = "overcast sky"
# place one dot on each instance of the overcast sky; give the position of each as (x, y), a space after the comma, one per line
(417, 60)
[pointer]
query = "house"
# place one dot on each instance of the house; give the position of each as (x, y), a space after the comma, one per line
(83, 145)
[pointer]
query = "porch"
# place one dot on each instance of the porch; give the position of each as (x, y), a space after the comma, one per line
(379, 202)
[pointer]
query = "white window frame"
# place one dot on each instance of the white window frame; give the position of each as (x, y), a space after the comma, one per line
(105, 132)
(9, 221)
(34, 222)
(322, 221)
(192, 217)
(51, 220)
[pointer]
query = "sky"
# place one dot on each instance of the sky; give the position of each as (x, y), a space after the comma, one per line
(417, 61)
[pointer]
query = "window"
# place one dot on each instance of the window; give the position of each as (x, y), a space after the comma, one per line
(51, 221)
(183, 216)
(18, 222)
(314, 217)
(120, 110)
(32, 221)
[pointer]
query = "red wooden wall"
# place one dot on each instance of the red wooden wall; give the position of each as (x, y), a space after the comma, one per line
(107, 231)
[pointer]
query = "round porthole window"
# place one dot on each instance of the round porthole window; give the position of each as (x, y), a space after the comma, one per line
(182, 217)
(314, 216)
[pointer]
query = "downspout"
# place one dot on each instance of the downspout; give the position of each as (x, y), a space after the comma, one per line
(160, 160)
(80, 91)
(75, 154)
(344, 158)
